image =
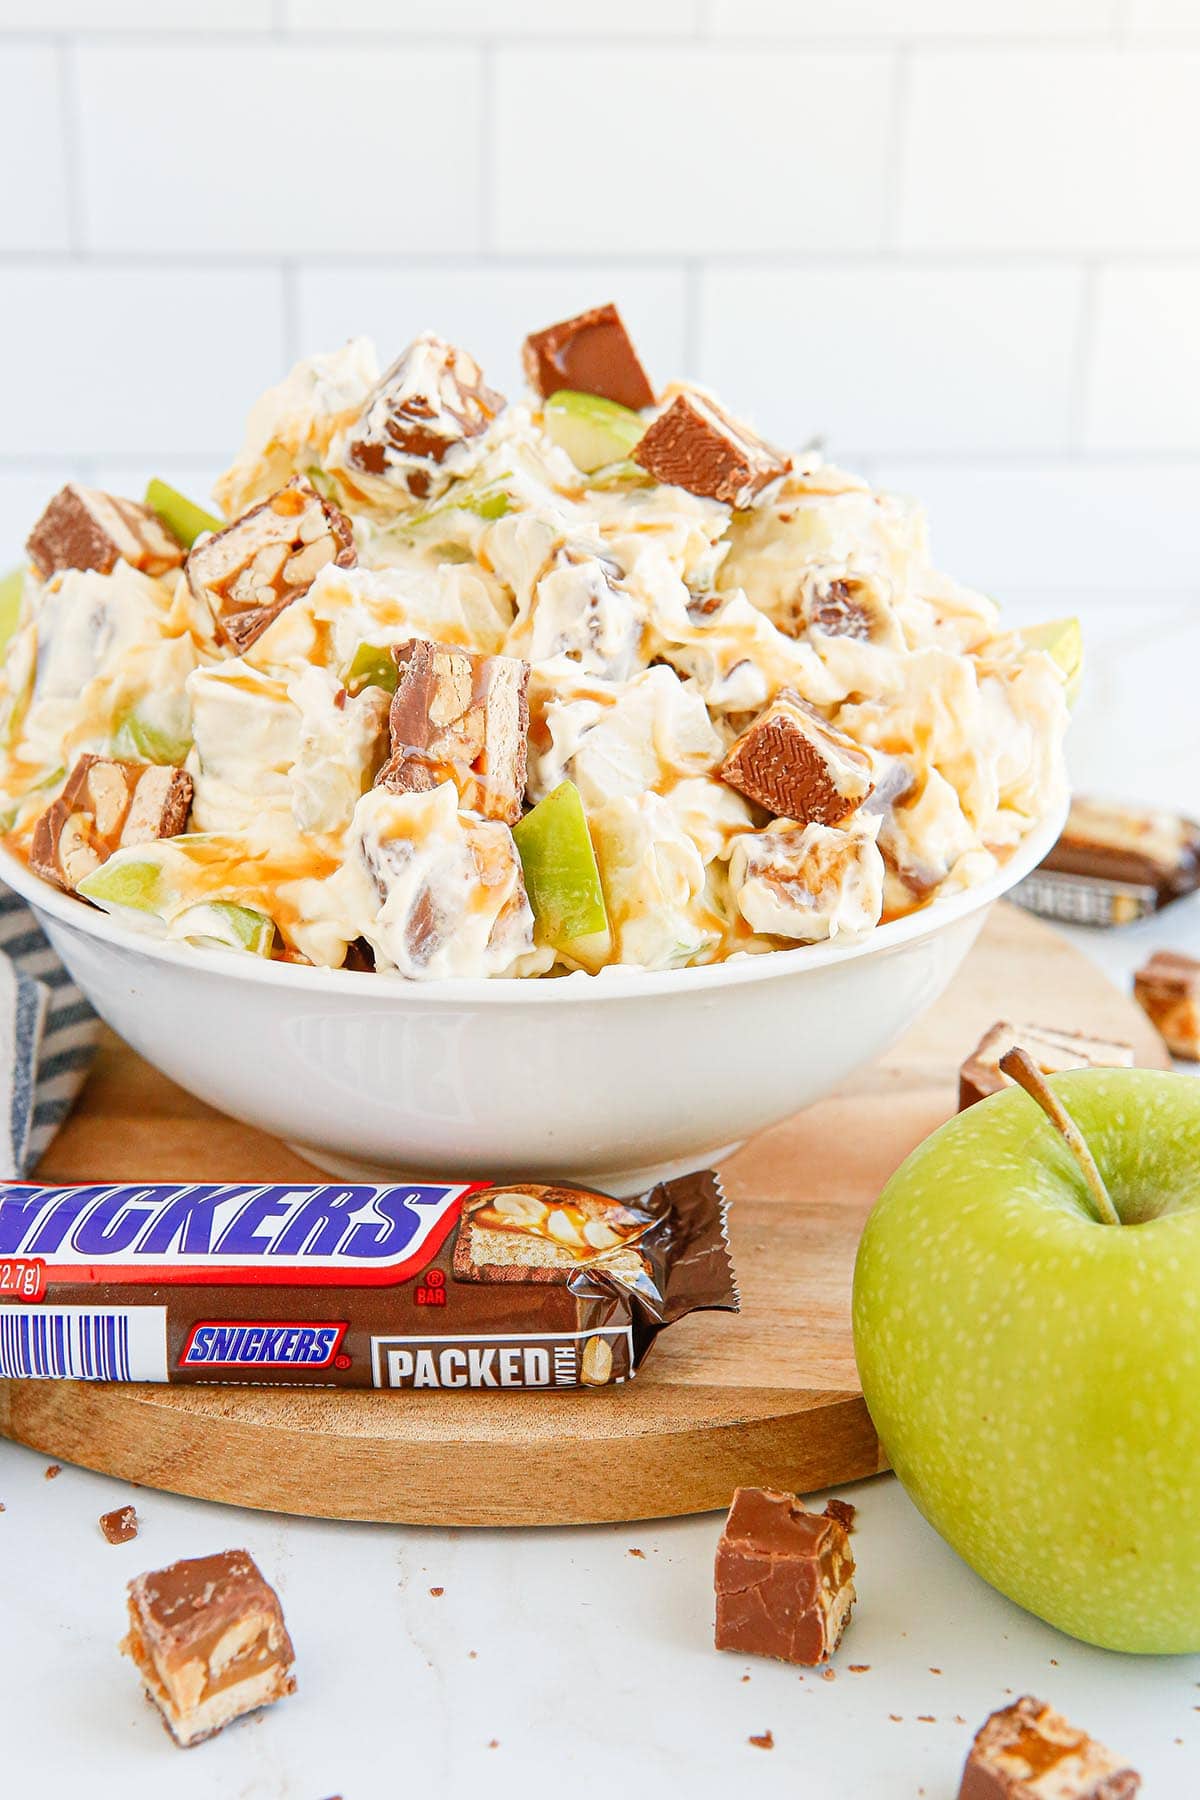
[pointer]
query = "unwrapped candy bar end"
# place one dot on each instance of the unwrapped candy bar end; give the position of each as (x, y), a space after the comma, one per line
(1027, 1751)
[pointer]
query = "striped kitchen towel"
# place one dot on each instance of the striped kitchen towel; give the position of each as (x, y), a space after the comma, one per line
(48, 1032)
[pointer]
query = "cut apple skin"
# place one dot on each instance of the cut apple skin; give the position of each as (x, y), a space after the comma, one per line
(12, 586)
(595, 433)
(143, 887)
(1062, 640)
(371, 666)
(137, 885)
(562, 879)
(235, 927)
(181, 516)
(136, 740)
(489, 501)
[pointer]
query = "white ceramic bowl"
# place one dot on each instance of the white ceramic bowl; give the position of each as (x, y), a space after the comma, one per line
(615, 1079)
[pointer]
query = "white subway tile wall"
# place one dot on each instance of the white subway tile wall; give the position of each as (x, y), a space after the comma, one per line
(956, 240)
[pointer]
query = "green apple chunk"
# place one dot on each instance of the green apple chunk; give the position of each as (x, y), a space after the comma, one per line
(371, 666)
(223, 922)
(1062, 640)
(181, 516)
(620, 474)
(559, 863)
(12, 586)
(1034, 1372)
(140, 738)
(139, 886)
(486, 500)
(593, 431)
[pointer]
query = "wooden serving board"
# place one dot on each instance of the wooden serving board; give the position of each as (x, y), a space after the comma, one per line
(770, 1396)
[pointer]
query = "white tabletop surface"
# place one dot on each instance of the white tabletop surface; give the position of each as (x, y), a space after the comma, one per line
(563, 1662)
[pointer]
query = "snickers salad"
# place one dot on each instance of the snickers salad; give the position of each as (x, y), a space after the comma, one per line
(459, 685)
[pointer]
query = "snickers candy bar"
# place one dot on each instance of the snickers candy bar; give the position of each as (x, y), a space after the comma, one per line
(1052, 1050)
(590, 354)
(426, 1285)
(1167, 988)
(106, 805)
(461, 717)
(1084, 899)
(83, 528)
(1135, 847)
(431, 400)
(208, 1639)
(798, 766)
(784, 1578)
(543, 1233)
(694, 445)
(249, 572)
(1027, 1751)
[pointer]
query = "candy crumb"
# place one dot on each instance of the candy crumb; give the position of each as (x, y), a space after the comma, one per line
(859, 1668)
(52, 1470)
(437, 1592)
(763, 1740)
(119, 1526)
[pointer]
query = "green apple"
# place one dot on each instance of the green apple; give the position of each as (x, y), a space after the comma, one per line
(181, 516)
(593, 431)
(138, 737)
(559, 864)
(487, 500)
(1062, 640)
(621, 474)
(1034, 1371)
(12, 586)
(140, 886)
(224, 922)
(371, 666)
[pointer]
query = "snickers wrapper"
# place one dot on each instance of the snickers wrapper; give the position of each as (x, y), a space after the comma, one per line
(417, 1285)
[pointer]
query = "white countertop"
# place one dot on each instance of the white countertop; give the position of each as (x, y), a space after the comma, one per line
(556, 1661)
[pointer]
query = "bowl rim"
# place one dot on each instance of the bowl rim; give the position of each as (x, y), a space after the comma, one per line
(612, 983)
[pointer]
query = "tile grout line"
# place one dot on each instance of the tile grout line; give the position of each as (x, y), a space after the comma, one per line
(875, 256)
(699, 33)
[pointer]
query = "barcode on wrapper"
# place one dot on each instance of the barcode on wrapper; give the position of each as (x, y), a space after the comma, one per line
(83, 1343)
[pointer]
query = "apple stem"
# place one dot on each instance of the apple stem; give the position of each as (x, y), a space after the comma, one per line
(1021, 1068)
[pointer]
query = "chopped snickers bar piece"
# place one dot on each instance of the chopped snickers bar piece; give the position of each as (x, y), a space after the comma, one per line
(545, 1233)
(1134, 846)
(249, 572)
(119, 1526)
(209, 1642)
(797, 766)
(784, 1579)
(1027, 1751)
(590, 354)
(461, 717)
(1052, 1050)
(1167, 988)
(694, 445)
(432, 399)
(83, 528)
(105, 805)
